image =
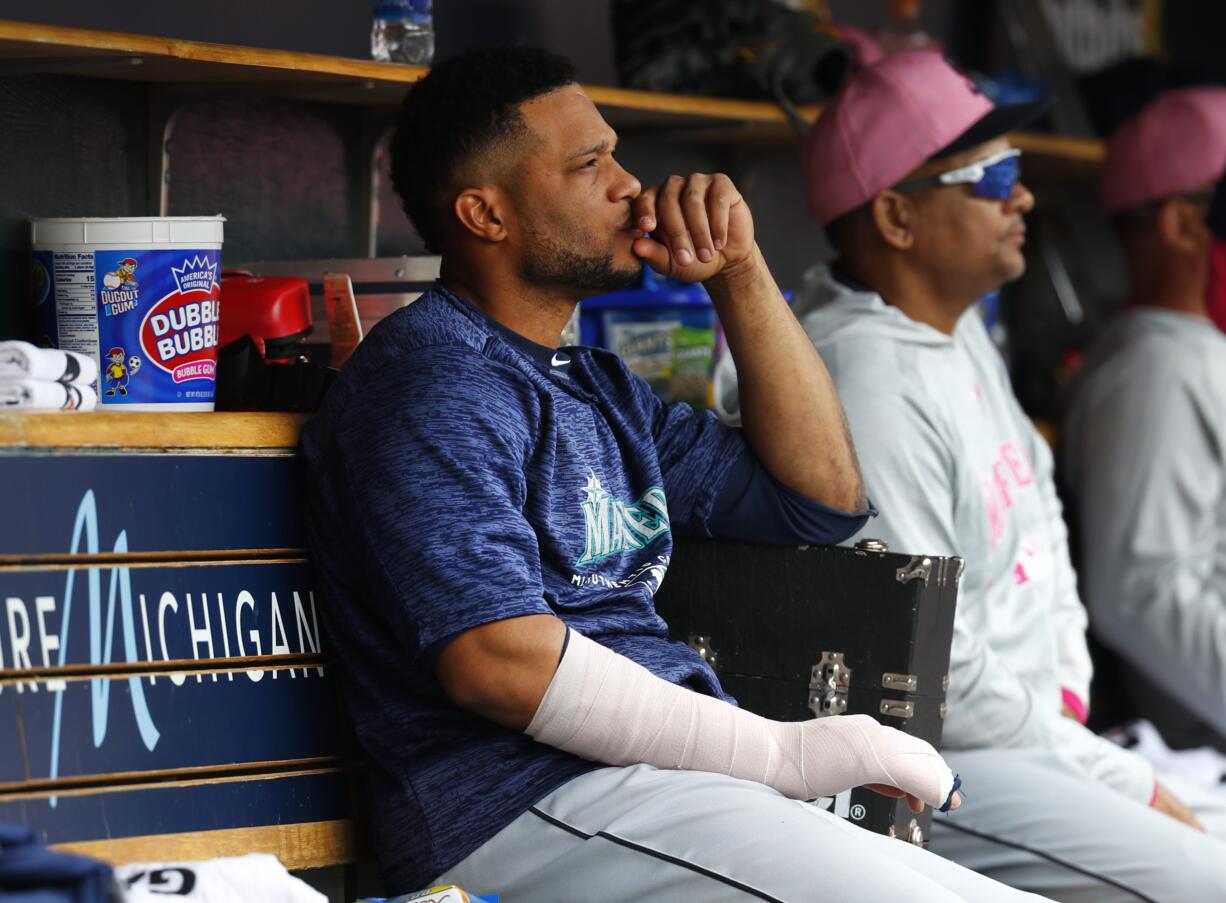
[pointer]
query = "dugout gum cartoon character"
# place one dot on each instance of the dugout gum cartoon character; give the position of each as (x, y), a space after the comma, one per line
(124, 275)
(116, 373)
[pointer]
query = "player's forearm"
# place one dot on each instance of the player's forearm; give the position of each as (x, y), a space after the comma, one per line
(790, 410)
(501, 670)
(604, 707)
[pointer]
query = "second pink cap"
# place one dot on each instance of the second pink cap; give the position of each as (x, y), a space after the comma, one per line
(1177, 143)
(888, 120)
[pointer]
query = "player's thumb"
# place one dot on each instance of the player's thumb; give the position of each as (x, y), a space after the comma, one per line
(654, 254)
(913, 765)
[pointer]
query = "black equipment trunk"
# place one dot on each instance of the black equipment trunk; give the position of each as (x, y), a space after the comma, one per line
(795, 632)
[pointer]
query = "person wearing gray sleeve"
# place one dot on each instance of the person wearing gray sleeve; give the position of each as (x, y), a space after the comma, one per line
(1145, 433)
(911, 174)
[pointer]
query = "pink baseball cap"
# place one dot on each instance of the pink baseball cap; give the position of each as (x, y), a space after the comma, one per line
(1176, 143)
(890, 118)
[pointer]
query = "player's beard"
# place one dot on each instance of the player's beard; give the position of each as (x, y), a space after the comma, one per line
(550, 263)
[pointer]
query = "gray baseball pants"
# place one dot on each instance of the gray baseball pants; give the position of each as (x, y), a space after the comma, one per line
(651, 836)
(1029, 822)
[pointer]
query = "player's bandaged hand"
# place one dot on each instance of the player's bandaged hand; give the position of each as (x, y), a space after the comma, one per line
(858, 748)
(604, 707)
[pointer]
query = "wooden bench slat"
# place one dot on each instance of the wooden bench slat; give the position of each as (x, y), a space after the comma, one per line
(128, 780)
(96, 785)
(163, 430)
(298, 846)
(175, 558)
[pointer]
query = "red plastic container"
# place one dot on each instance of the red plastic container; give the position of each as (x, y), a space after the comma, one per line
(273, 309)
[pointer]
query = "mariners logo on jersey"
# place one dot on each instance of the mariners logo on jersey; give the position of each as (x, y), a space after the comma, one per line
(612, 526)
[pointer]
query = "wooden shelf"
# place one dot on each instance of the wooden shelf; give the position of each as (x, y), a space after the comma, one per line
(110, 430)
(1078, 150)
(26, 47)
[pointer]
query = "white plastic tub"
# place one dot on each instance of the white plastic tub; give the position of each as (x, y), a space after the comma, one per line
(142, 296)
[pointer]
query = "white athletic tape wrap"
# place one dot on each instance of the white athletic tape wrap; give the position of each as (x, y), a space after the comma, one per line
(604, 707)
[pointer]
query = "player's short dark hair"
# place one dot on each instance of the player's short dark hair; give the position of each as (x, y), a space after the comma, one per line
(459, 109)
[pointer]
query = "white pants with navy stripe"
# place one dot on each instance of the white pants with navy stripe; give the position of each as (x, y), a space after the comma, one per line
(651, 836)
(1030, 822)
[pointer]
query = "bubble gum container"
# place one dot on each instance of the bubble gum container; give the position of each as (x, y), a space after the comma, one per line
(142, 296)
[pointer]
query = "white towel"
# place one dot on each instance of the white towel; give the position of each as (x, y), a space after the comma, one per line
(1203, 766)
(20, 360)
(254, 878)
(41, 395)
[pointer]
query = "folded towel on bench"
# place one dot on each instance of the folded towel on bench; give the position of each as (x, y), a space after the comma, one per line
(21, 360)
(39, 395)
(254, 878)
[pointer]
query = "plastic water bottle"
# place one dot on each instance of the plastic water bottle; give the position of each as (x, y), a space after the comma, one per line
(403, 32)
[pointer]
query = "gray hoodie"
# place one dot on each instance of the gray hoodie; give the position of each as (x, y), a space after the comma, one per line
(1145, 444)
(956, 468)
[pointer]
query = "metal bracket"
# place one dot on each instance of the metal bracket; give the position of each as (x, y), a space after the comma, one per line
(897, 708)
(949, 571)
(872, 545)
(702, 645)
(905, 682)
(828, 684)
(961, 569)
(918, 568)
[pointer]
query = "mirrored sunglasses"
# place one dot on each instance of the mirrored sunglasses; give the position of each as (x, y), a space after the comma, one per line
(993, 177)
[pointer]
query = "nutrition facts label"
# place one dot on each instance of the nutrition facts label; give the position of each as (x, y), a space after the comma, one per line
(76, 301)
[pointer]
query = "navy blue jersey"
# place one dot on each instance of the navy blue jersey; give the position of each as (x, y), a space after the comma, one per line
(454, 481)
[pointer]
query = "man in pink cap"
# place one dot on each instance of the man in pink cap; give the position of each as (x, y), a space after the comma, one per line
(910, 171)
(1145, 439)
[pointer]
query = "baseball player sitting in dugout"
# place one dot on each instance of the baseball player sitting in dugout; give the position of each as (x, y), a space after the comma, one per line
(1143, 438)
(490, 515)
